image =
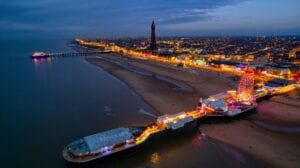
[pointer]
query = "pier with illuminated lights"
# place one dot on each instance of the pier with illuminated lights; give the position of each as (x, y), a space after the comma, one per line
(38, 55)
(227, 104)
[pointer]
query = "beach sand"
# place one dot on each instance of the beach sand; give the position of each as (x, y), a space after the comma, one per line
(279, 148)
(164, 97)
(273, 149)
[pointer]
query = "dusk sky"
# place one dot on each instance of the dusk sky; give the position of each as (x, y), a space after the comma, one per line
(122, 18)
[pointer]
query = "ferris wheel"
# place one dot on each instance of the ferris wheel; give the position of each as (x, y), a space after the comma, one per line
(246, 86)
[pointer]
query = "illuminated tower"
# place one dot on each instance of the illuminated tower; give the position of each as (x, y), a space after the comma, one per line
(153, 46)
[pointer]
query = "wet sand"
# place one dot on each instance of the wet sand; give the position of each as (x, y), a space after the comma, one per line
(163, 96)
(282, 110)
(277, 148)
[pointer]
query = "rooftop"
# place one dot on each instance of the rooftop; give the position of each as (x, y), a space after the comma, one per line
(279, 82)
(108, 138)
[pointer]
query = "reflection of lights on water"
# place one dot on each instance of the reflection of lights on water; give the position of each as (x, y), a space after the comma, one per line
(48, 59)
(196, 141)
(155, 158)
(38, 61)
(35, 61)
(41, 63)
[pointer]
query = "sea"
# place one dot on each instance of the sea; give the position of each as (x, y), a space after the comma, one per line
(48, 103)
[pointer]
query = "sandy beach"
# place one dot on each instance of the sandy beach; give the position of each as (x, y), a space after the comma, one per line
(170, 89)
(163, 96)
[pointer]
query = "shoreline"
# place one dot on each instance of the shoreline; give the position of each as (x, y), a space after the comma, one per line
(127, 85)
(133, 81)
(164, 99)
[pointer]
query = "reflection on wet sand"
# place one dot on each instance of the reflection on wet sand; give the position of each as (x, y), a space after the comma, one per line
(155, 158)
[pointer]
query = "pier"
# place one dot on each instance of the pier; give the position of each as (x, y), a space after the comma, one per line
(37, 55)
(226, 104)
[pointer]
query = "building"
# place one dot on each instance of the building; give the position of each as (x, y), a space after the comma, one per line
(153, 46)
(103, 142)
(277, 86)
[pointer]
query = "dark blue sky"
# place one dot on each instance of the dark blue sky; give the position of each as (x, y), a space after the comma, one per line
(107, 18)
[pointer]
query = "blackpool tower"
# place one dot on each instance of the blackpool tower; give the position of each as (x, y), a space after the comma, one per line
(153, 46)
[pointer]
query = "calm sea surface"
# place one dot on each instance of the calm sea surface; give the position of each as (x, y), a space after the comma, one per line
(47, 104)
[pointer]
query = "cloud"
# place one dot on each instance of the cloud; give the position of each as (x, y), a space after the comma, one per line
(104, 17)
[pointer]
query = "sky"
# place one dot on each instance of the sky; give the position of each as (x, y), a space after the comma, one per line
(132, 18)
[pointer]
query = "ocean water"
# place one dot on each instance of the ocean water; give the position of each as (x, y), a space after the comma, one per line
(46, 104)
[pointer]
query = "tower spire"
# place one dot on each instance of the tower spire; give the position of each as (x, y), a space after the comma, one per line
(153, 46)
